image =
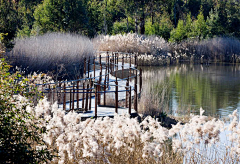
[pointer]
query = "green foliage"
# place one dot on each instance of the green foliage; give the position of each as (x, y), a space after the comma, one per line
(8, 22)
(67, 15)
(123, 26)
(179, 33)
(19, 130)
(161, 28)
(213, 23)
(24, 18)
(190, 29)
(199, 27)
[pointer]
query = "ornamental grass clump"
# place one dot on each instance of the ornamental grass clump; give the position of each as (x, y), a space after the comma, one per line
(61, 54)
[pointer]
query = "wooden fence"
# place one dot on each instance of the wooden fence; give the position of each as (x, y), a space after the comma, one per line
(95, 84)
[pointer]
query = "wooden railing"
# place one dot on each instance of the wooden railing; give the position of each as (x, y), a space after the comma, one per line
(96, 84)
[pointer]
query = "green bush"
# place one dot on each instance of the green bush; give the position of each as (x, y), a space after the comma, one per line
(19, 131)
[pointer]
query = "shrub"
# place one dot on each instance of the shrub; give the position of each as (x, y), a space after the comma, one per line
(20, 134)
(62, 54)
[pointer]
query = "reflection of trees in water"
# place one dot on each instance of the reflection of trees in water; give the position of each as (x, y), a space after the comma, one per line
(215, 87)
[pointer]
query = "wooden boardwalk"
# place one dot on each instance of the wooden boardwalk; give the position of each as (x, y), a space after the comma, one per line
(111, 84)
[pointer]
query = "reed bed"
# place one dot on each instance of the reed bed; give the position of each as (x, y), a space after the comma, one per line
(153, 51)
(125, 140)
(131, 43)
(61, 54)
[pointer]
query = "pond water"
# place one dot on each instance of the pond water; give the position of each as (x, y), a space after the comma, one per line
(186, 87)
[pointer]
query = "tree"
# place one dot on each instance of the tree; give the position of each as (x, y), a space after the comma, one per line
(8, 22)
(199, 26)
(25, 9)
(213, 23)
(161, 28)
(66, 15)
(178, 34)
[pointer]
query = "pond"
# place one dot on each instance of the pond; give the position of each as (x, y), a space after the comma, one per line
(185, 88)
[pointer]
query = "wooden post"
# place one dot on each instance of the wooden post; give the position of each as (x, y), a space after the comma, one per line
(90, 95)
(135, 60)
(100, 78)
(64, 96)
(49, 93)
(130, 60)
(108, 61)
(86, 105)
(99, 94)
(89, 67)
(53, 94)
(127, 88)
(140, 88)
(130, 72)
(135, 94)
(116, 97)
(113, 62)
(59, 94)
(83, 94)
(77, 95)
(85, 69)
(73, 97)
(94, 67)
(130, 100)
(104, 94)
(117, 61)
(70, 102)
(96, 101)
(122, 65)
(106, 69)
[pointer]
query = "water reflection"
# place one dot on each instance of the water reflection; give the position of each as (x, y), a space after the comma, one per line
(216, 87)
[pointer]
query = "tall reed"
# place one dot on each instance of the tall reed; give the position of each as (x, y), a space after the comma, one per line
(59, 53)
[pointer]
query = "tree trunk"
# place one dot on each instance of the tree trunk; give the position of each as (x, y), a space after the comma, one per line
(136, 26)
(142, 24)
(127, 25)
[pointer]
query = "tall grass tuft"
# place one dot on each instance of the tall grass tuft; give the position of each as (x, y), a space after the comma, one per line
(58, 53)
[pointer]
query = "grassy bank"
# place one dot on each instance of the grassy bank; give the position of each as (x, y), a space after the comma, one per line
(61, 55)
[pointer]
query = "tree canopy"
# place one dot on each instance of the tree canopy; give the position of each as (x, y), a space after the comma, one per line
(173, 19)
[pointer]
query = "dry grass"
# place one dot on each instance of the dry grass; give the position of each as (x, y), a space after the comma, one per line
(220, 49)
(155, 94)
(156, 51)
(131, 43)
(61, 54)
